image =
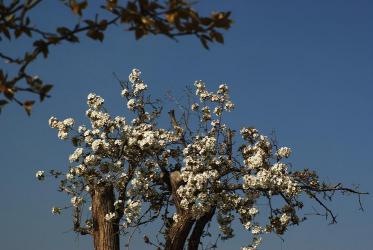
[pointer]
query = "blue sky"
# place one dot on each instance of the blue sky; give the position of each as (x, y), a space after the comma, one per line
(301, 68)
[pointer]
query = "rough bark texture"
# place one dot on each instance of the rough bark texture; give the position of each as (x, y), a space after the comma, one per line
(198, 229)
(178, 233)
(105, 235)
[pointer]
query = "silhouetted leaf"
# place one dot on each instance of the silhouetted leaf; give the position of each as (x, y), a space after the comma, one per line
(217, 37)
(95, 34)
(139, 33)
(204, 42)
(44, 91)
(78, 7)
(2, 104)
(28, 106)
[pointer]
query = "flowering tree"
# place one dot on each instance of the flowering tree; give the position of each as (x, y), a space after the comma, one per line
(125, 174)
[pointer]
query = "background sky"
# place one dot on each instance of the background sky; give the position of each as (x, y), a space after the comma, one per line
(301, 68)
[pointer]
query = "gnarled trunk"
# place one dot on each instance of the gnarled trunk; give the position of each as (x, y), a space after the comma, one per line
(105, 234)
(178, 233)
(199, 227)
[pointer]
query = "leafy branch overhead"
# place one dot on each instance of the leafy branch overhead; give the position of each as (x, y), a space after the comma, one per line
(172, 18)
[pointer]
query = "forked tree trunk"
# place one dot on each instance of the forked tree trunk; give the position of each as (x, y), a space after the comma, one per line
(178, 233)
(199, 227)
(105, 235)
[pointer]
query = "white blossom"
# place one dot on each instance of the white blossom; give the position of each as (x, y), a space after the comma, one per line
(284, 152)
(56, 210)
(285, 218)
(110, 216)
(76, 201)
(75, 156)
(131, 104)
(69, 176)
(135, 75)
(124, 92)
(40, 175)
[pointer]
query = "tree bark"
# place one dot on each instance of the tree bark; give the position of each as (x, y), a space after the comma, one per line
(178, 233)
(198, 229)
(105, 234)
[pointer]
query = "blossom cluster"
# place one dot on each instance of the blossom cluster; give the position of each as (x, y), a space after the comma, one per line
(107, 150)
(214, 174)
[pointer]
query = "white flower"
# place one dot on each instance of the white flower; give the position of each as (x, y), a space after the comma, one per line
(82, 129)
(215, 123)
(195, 106)
(131, 104)
(76, 201)
(253, 211)
(256, 230)
(69, 176)
(248, 248)
(68, 122)
(94, 101)
(135, 75)
(138, 88)
(53, 122)
(110, 216)
(284, 152)
(175, 217)
(284, 219)
(118, 203)
(223, 89)
(40, 175)
(62, 134)
(75, 156)
(255, 161)
(247, 225)
(218, 111)
(229, 106)
(124, 92)
(91, 160)
(56, 210)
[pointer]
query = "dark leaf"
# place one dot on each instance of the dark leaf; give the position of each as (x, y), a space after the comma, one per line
(6, 32)
(18, 33)
(204, 42)
(9, 93)
(44, 91)
(139, 33)
(28, 106)
(78, 7)
(217, 37)
(95, 34)
(42, 47)
(63, 31)
(103, 24)
(3, 102)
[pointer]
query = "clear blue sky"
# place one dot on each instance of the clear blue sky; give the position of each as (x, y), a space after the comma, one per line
(303, 68)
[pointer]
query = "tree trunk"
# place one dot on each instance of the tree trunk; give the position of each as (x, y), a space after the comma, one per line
(178, 233)
(199, 227)
(105, 234)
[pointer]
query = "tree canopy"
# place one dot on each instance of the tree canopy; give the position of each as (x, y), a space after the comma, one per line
(126, 172)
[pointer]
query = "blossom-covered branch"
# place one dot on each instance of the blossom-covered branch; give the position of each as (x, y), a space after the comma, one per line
(131, 173)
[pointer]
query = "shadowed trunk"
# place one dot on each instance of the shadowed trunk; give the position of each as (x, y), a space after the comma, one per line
(105, 234)
(178, 233)
(195, 237)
